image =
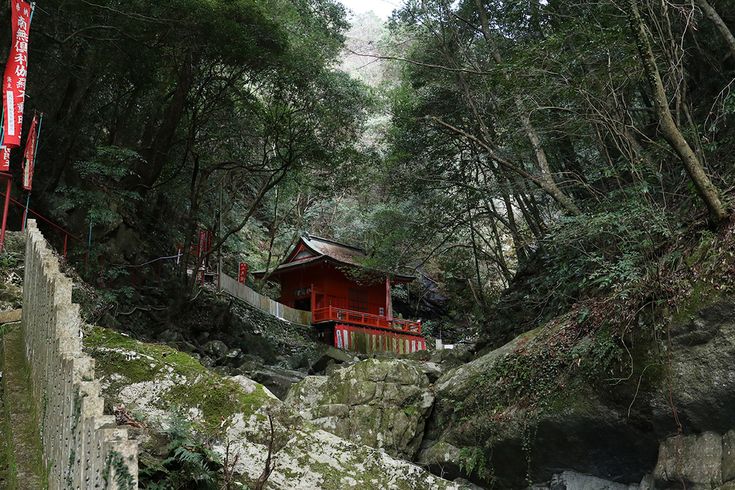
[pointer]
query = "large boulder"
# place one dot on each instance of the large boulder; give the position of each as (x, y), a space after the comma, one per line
(326, 357)
(571, 480)
(606, 430)
(693, 460)
(216, 349)
(502, 442)
(276, 379)
(380, 403)
(156, 385)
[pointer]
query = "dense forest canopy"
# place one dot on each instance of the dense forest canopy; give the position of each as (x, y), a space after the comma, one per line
(490, 137)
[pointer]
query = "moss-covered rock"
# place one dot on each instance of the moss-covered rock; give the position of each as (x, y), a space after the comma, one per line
(154, 378)
(381, 403)
(156, 383)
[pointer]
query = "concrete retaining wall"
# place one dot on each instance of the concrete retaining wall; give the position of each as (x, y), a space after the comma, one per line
(264, 303)
(82, 448)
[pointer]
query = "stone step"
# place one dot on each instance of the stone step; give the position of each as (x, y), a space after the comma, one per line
(18, 424)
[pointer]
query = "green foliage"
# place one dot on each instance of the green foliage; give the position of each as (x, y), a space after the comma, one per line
(117, 296)
(189, 464)
(183, 109)
(99, 192)
(123, 479)
(603, 251)
(8, 261)
(474, 462)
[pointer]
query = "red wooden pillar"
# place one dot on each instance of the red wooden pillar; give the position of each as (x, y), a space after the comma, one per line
(388, 300)
(5, 212)
(66, 240)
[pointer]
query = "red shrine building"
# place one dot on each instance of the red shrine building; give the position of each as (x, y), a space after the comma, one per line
(350, 305)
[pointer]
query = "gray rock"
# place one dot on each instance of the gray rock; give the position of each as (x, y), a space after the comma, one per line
(234, 354)
(432, 370)
(584, 433)
(647, 483)
(249, 364)
(571, 480)
(169, 335)
(728, 456)
(702, 378)
(298, 361)
(380, 403)
(233, 358)
(451, 358)
(441, 454)
(306, 458)
(422, 355)
(183, 346)
(277, 380)
(216, 349)
(330, 354)
(467, 485)
(695, 460)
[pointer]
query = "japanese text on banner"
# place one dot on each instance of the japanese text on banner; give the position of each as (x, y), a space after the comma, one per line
(16, 70)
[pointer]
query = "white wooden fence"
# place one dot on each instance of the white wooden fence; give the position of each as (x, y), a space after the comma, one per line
(263, 303)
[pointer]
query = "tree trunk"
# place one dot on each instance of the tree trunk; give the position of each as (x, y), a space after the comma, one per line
(715, 18)
(549, 184)
(157, 154)
(564, 201)
(705, 188)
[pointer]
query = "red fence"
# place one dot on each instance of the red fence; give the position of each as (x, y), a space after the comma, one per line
(333, 314)
(66, 237)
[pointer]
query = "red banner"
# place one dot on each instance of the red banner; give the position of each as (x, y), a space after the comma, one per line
(205, 242)
(243, 273)
(16, 70)
(4, 159)
(29, 155)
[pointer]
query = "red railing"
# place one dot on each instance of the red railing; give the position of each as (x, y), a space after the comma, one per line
(66, 234)
(334, 314)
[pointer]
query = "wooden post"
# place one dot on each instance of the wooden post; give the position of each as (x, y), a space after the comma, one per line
(66, 239)
(25, 213)
(5, 212)
(388, 300)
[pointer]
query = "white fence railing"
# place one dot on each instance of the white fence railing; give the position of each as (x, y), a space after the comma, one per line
(263, 303)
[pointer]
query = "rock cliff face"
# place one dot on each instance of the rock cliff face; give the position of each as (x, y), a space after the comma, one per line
(381, 403)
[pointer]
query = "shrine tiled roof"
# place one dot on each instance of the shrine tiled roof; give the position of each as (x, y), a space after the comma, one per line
(340, 252)
(318, 249)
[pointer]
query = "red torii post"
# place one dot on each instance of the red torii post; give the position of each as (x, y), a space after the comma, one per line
(8, 179)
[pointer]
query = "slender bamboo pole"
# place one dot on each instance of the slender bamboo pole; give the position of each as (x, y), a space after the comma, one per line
(5, 212)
